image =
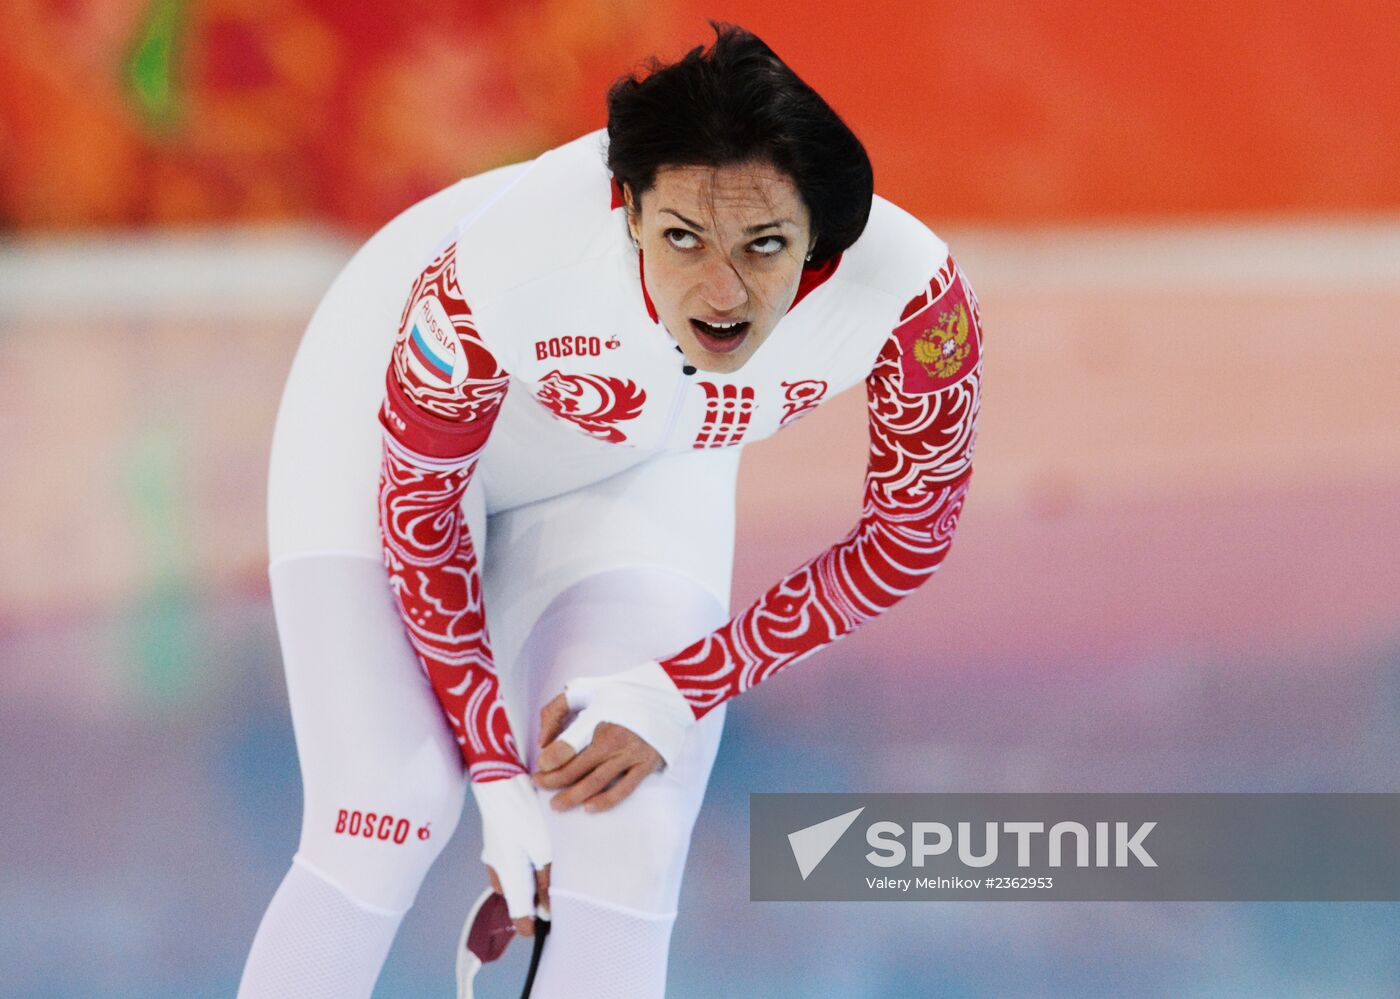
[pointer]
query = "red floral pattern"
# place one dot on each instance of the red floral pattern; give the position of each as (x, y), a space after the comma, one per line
(593, 403)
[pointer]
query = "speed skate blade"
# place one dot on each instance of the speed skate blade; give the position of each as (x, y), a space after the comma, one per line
(486, 933)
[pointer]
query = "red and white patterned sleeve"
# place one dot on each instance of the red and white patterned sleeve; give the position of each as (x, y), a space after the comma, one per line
(443, 390)
(923, 393)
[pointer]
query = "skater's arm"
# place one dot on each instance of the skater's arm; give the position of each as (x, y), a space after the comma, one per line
(923, 399)
(443, 390)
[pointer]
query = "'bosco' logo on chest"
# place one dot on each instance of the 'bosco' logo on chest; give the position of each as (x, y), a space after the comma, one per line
(573, 346)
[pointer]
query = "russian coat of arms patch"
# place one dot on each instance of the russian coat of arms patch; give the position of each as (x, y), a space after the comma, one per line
(941, 342)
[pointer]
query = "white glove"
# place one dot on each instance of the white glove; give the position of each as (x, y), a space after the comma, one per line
(643, 699)
(515, 840)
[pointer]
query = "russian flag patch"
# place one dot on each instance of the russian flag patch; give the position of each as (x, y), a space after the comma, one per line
(433, 348)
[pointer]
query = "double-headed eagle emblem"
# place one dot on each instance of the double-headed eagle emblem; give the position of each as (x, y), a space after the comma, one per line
(943, 347)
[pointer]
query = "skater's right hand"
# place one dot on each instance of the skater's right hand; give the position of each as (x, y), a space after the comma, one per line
(516, 847)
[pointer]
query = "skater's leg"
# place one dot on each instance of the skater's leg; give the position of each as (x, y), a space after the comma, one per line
(382, 778)
(617, 873)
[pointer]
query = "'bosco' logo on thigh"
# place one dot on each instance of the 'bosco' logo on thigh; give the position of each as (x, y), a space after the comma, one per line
(374, 825)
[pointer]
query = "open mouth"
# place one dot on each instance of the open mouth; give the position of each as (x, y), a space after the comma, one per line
(720, 338)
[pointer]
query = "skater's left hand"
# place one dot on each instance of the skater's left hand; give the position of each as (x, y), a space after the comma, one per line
(628, 726)
(605, 773)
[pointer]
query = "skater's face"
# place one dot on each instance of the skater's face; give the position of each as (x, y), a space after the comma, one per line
(722, 252)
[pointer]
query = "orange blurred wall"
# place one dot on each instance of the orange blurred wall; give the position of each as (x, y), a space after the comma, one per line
(1017, 112)
(151, 112)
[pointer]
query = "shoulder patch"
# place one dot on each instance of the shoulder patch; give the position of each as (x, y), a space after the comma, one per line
(434, 353)
(940, 336)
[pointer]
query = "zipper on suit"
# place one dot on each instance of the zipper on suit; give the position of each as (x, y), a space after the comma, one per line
(687, 372)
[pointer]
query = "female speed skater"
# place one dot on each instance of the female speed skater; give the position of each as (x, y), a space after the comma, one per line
(541, 446)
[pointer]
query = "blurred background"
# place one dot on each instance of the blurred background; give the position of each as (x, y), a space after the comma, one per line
(1179, 568)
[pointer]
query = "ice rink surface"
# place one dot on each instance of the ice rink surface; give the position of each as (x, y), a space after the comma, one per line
(1178, 570)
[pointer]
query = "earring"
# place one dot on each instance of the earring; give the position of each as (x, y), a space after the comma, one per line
(809, 257)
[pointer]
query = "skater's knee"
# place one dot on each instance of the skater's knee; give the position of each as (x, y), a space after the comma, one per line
(376, 839)
(631, 856)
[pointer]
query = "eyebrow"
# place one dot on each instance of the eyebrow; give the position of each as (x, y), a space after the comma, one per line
(775, 224)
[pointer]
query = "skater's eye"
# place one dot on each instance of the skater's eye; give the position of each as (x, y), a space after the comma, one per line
(682, 239)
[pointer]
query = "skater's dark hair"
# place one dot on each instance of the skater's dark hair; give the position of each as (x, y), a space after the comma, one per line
(734, 102)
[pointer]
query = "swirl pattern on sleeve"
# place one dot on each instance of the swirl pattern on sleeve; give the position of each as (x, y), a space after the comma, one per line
(923, 400)
(443, 390)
